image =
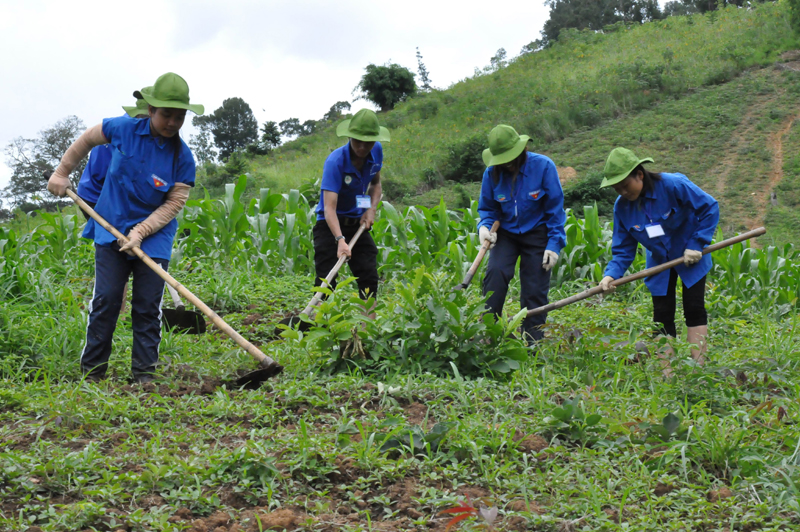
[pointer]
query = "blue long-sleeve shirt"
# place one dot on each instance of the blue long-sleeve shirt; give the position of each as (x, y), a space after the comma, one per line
(688, 216)
(94, 175)
(142, 171)
(537, 199)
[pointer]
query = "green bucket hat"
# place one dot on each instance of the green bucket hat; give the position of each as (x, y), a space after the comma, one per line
(141, 107)
(363, 126)
(170, 91)
(505, 145)
(620, 163)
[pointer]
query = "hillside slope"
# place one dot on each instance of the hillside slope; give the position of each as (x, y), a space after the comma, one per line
(687, 90)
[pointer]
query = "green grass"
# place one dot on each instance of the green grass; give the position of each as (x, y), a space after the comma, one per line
(306, 448)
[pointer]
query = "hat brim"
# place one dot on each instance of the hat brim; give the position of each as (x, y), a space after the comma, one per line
(196, 108)
(343, 130)
(134, 111)
(613, 180)
(508, 155)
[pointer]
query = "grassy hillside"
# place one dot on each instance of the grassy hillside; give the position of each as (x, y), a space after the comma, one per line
(664, 88)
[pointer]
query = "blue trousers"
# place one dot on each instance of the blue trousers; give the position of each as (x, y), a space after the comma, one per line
(112, 269)
(534, 281)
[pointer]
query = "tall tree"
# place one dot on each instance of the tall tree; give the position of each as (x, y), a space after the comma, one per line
(270, 136)
(290, 127)
(386, 85)
(233, 125)
(424, 75)
(30, 158)
(336, 110)
(201, 144)
(498, 60)
(308, 127)
(594, 15)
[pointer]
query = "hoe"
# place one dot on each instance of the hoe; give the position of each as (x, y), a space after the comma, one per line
(310, 309)
(267, 367)
(645, 273)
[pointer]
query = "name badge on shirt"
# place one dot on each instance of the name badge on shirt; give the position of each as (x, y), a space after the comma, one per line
(654, 230)
(363, 202)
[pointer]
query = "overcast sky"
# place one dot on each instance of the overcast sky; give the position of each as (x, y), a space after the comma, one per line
(285, 58)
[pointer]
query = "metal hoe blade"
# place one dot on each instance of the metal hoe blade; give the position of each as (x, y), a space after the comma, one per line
(252, 380)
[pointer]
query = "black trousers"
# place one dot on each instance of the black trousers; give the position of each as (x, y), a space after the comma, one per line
(112, 269)
(363, 262)
(534, 279)
(694, 306)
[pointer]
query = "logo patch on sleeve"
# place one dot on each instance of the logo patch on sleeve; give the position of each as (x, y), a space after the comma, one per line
(501, 197)
(348, 179)
(637, 227)
(535, 194)
(157, 181)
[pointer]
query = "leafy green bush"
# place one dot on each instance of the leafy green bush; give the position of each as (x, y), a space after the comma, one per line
(421, 325)
(463, 161)
(587, 191)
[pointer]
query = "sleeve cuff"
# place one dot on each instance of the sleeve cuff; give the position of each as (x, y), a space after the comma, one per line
(695, 244)
(612, 270)
(554, 247)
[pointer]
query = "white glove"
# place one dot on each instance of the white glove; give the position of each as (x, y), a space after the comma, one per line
(605, 284)
(484, 234)
(549, 260)
(135, 238)
(692, 256)
(58, 184)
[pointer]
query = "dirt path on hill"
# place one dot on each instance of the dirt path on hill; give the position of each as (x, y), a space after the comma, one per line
(775, 146)
(741, 139)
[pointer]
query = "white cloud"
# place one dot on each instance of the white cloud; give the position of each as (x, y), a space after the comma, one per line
(285, 58)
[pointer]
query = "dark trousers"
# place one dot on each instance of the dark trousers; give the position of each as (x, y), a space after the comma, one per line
(534, 280)
(694, 306)
(112, 270)
(363, 262)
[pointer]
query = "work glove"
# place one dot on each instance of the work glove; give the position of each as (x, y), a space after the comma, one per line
(691, 256)
(484, 234)
(549, 260)
(606, 285)
(58, 183)
(135, 238)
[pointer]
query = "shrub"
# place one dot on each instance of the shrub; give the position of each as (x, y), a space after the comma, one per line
(587, 191)
(421, 325)
(395, 189)
(463, 161)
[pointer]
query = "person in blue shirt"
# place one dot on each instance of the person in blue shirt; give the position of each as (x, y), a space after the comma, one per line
(94, 174)
(147, 184)
(521, 189)
(672, 218)
(350, 193)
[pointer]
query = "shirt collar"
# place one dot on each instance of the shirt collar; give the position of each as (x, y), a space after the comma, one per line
(142, 126)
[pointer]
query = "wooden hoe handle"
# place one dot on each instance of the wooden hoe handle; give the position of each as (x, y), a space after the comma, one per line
(479, 258)
(331, 275)
(645, 273)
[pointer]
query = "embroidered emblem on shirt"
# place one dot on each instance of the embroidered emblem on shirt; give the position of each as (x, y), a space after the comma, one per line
(666, 214)
(501, 197)
(348, 179)
(157, 182)
(637, 227)
(535, 194)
